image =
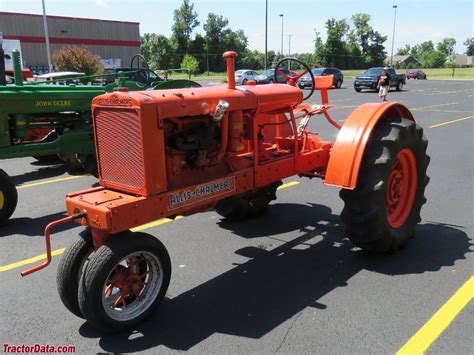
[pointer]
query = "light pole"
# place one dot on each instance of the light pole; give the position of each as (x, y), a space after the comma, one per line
(46, 37)
(266, 34)
(393, 34)
(281, 48)
(289, 44)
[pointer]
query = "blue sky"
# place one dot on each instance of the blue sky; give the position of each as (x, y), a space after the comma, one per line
(417, 20)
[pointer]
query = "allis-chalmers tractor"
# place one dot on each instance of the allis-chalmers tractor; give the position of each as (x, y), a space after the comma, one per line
(42, 120)
(178, 152)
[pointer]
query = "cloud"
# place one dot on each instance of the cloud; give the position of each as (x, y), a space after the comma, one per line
(102, 3)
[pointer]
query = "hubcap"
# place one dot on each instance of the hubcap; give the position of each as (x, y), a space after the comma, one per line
(132, 286)
(401, 188)
(2, 200)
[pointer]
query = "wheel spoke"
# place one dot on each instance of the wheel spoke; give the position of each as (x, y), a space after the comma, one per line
(131, 264)
(286, 76)
(108, 289)
(118, 301)
(300, 75)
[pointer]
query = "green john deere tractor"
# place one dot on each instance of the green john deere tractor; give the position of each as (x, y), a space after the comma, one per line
(45, 120)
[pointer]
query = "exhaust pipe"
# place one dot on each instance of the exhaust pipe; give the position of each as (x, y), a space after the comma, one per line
(229, 57)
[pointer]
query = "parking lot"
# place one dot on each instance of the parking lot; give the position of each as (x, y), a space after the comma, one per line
(288, 282)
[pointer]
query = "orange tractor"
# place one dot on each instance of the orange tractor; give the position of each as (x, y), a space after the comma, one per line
(182, 151)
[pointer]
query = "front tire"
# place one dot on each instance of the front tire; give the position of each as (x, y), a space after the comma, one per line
(400, 86)
(338, 84)
(71, 266)
(253, 204)
(124, 282)
(357, 89)
(381, 213)
(8, 197)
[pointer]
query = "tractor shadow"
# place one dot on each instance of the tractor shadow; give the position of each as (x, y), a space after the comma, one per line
(33, 227)
(46, 172)
(280, 279)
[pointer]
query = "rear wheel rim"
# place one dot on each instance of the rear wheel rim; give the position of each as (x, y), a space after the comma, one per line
(132, 286)
(401, 188)
(2, 200)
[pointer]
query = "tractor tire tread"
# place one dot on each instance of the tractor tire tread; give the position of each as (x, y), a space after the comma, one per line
(364, 212)
(69, 269)
(9, 198)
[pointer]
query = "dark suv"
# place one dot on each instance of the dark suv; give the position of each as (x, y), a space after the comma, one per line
(305, 80)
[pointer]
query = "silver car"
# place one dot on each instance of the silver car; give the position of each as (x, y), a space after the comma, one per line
(244, 75)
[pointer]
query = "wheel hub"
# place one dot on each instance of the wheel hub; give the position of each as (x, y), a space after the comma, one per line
(401, 188)
(132, 286)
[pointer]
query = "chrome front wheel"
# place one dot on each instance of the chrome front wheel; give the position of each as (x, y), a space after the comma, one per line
(125, 281)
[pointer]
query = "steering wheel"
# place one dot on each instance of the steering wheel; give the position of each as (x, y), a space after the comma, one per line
(293, 79)
(139, 58)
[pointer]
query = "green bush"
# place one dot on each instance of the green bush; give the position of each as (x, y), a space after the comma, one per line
(191, 63)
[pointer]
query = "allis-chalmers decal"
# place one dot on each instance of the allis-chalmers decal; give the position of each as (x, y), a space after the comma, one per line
(114, 100)
(200, 193)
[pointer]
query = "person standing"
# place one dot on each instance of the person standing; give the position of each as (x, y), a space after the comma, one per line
(384, 84)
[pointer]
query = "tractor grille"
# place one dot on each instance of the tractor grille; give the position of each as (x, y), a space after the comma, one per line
(119, 148)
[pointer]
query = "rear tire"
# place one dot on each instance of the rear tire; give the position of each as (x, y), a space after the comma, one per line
(111, 274)
(73, 166)
(338, 84)
(8, 197)
(375, 220)
(47, 158)
(400, 86)
(71, 266)
(88, 163)
(252, 205)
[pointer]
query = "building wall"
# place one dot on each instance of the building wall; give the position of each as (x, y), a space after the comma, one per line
(108, 39)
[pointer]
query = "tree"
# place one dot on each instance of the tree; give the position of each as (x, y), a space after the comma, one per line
(158, 51)
(185, 21)
(433, 59)
(334, 48)
(404, 51)
(419, 50)
(78, 59)
(370, 41)
(191, 63)
(320, 52)
(215, 35)
(469, 43)
(446, 46)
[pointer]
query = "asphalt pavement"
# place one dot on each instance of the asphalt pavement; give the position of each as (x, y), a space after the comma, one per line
(289, 282)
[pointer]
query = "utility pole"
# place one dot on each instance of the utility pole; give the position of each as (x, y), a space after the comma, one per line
(289, 44)
(289, 51)
(46, 37)
(281, 48)
(266, 34)
(393, 34)
(3, 79)
(207, 55)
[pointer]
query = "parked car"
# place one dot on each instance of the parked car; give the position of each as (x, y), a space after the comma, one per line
(268, 76)
(416, 74)
(61, 77)
(305, 81)
(370, 78)
(244, 75)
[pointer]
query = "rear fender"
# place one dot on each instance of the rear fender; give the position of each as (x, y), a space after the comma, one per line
(348, 150)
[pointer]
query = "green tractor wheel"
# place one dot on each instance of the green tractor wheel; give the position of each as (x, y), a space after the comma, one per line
(8, 197)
